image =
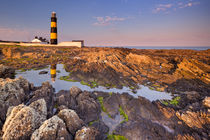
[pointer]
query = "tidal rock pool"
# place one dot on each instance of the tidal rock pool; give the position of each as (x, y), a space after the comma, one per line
(53, 74)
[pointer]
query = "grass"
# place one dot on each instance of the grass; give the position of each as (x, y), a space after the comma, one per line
(174, 102)
(116, 137)
(101, 101)
(125, 116)
(67, 78)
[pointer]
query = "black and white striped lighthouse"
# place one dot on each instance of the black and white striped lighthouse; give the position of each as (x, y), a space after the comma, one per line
(53, 33)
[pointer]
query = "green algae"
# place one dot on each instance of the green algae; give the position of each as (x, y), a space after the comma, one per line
(116, 137)
(125, 116)
(101, 101)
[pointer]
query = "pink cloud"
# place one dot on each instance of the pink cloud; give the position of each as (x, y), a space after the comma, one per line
(105, 21)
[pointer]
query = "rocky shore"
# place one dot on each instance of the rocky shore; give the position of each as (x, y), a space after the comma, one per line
(29, 112)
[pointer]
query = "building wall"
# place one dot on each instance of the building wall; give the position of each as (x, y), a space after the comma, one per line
(71, 44)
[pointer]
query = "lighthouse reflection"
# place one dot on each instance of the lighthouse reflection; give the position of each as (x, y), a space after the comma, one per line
(53, 72)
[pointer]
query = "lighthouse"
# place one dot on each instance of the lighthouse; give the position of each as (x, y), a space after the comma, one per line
(53, 33)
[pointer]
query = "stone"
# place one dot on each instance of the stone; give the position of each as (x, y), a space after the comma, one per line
(86, 133)
(71, 119)
(47, 93)
(6, 72)
(88, 107)
(206, 102)
(102, 128)
(52, 129)
(43, 72)
(195, 120)
(141, 130)
(23, 120)
(12, 92)
(75, 91)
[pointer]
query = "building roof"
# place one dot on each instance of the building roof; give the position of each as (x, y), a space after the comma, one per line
(36, 41)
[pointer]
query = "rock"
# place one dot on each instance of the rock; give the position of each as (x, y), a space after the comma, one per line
(206, 102)
(23, 120)
(47, 93)
(12, 92)
(86, 133)
(6, 72)
(102, 128)
(141, 130)
(195, 120)
(88, 107)
(43, 72)
(64, 98)
(71, 119)
(54, 129)
(74, 91)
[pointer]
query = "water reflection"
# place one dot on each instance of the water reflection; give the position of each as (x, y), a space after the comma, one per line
(53, 72)
(53, 77)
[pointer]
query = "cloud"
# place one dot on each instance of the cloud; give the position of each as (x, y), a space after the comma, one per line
(162, 7)
(166, 8)
(107, 20)
(188, 4)
(17, 34)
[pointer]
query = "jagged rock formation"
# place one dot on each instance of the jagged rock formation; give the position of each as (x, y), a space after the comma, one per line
(52, 129)
(71, 119)
(23, 120)
(86, 133)
(12, 92)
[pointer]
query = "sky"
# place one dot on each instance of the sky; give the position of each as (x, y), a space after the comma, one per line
(109, 22)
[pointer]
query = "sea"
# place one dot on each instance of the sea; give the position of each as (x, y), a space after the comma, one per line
(160, 48)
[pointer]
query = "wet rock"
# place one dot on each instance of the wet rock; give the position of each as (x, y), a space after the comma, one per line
(23, 120)
(88, 107)
(102, 128)
(12, 92)
(6, 72)
(53, 128)
(197, 120)
(47, 93)
(71, 119)
(206, 102)
(112, 104)
(75, 91)
(43, 72)
(141, 130)
(86, 133)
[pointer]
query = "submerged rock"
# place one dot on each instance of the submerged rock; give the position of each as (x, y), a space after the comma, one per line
(71, 119)
(43, 72)
(23, 120)
(52, 129)
(86, 133)
(12, 92)
(6, 72)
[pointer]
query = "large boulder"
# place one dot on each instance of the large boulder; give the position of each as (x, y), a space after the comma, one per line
(12, 92)
(6, 72)
(88, 107)
(23, 120)
(141, 130)
(47, 93)
(86, 133)
(71, 119)
(52, 129)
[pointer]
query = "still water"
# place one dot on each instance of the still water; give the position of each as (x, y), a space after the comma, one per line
(54, 72)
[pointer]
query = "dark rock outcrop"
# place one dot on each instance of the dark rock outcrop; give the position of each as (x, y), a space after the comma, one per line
(6, 72)
(46, 92)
